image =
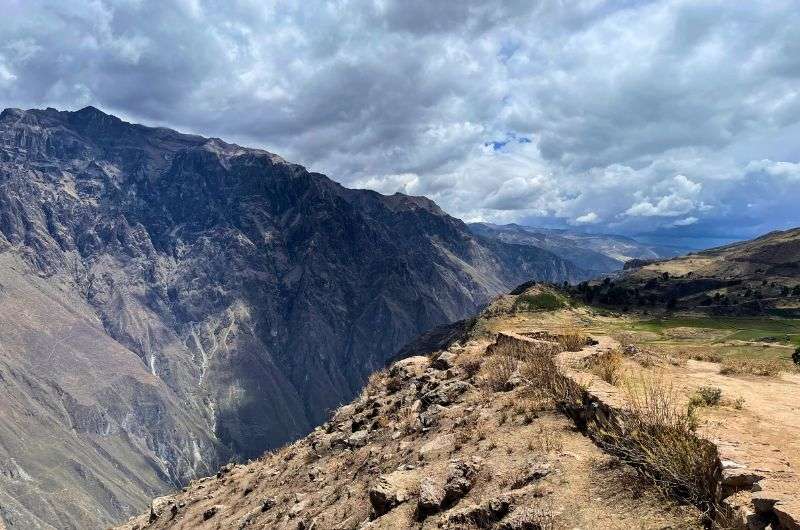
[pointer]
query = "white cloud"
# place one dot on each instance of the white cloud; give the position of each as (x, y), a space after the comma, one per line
(680, 200)
(688, 221)
(784, 170)
(587, 219)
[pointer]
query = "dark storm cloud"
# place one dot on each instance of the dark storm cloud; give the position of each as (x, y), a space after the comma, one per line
(667, 117)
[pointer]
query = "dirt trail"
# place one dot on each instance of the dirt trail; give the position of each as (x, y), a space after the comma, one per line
(758, 443)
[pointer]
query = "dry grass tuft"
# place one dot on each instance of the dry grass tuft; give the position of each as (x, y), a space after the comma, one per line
(573, 340)
(545, 378)
(545, 441)
(710, 357)
(471, 364)
(706, 396)
(608, 367)
(542, 515)
(497, 370)
(760, 367)
(522, 349)
(375, 383)
(656, 436)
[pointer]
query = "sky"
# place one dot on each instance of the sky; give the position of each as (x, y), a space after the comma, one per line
(672, 121)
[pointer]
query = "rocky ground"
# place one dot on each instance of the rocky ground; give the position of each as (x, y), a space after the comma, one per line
(433, 442)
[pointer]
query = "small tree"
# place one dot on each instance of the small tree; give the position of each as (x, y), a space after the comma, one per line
(796, 356)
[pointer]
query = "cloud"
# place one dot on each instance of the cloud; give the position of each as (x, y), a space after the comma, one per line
(645, 114)
(688, 221)
(587, 219)
(680, 200)
(781, 170)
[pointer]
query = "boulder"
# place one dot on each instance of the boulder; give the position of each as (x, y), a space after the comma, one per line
(460, 478)
(535, 472)
(444, 361)
(358, 439)
(788, 513)
(480, 515)
(440, 446)
(446, 393)
(740, 477)
(409, 367)
(211, 512)
(431, 497)
(386, 494)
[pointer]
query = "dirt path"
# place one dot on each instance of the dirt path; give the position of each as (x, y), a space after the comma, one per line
(758, 440)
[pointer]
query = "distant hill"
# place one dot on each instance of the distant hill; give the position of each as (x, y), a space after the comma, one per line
(599, 253)
(757, 276)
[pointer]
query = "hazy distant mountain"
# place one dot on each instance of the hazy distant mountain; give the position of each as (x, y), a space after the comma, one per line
(168, 301)
(599, 253)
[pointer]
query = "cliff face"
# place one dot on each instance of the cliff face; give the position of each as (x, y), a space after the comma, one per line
(168, 302)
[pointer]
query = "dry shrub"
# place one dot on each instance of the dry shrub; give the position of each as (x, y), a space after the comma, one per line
(573, 340)
(527, 406)
(545, 441)
(522, 349)
(608, 367)
(570, 340)
(541, 371)
(407, 420)
(471, 364)
(394, 383)
(655, 435)
(497, 371)
(761, 367)
(375, 382)
(710, 357)
(706, 396)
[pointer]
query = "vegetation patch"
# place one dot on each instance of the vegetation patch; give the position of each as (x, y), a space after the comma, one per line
(706, 396)
(654, 434)
(544, 301)
(760, 367)
(741, 328)
(608, 367)
(498, 370)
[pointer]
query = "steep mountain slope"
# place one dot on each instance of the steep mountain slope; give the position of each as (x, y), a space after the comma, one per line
(171, 301)
(753, 277)
(596, 252)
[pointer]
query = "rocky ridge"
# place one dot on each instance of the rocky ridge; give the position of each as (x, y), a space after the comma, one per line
(456, 439)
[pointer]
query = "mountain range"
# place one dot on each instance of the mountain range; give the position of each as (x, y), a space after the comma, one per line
(170, 302)
(598, 253)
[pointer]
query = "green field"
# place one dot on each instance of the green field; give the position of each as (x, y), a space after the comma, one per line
(762, 337)
(782, 330)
